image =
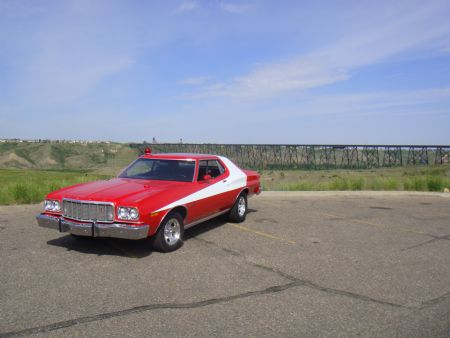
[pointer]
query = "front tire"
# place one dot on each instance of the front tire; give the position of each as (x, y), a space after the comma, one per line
(239, 211)
(169, 236)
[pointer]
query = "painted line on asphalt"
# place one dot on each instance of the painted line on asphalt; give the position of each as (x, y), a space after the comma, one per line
(263, 234)
(378, 225)
(330, 215)
(360, 221)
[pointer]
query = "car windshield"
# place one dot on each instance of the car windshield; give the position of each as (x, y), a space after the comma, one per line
(158, 169)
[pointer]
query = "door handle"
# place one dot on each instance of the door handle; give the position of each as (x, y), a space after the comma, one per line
(224, 181)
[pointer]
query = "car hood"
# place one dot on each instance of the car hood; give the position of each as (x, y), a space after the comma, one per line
(120, 190)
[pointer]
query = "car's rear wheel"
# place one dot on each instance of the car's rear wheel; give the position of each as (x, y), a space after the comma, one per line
(239, 211)
(169, 236)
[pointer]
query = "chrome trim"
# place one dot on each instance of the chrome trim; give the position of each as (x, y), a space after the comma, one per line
(85, 201)
(116, 230)
(172, 231)
(88, 202)
(47, 221)
(206, 218)
(241, 206)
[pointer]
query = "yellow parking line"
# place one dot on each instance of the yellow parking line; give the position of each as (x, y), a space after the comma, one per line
(368, 223)
(330, 215)
(415, 231)
(263, 234)
(378, 225)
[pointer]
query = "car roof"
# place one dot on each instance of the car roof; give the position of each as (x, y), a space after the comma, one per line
(180, 156)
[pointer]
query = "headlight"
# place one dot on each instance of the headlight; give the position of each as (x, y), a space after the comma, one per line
(134, 214)
(52, 205)
(128, 213)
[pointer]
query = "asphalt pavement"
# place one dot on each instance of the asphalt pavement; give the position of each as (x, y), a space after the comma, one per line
(301, 265)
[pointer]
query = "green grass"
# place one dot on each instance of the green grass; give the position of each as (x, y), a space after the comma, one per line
(19, 186)
(387, 179)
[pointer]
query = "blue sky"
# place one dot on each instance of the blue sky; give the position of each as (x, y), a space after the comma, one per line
(226, 71)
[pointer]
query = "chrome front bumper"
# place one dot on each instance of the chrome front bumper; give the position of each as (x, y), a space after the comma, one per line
(93, 229)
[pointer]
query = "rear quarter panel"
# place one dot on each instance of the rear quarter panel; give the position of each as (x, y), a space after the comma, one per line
(253, 181)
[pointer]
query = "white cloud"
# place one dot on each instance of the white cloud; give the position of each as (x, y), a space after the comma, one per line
(194, 81)
(187, 6)
(235, 8)
(406, 102)
(408, 28)
(269, 80)
(418, 28)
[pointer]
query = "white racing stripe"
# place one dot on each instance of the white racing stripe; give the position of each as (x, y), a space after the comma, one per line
(236, 180)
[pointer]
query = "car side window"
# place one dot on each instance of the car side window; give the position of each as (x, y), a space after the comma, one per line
(215, 168)
(211, 167)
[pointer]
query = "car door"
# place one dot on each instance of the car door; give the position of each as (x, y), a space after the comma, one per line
(211, 189)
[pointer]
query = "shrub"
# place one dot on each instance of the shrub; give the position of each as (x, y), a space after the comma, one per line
(20, 193)
(416, 184)
(375, 184)
(435, 183)
(437, 171)
(339, 184)
(357, 183)
(391, 184)
(298, 186)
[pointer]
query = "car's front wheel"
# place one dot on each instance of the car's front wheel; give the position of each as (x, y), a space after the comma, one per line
(169, 236)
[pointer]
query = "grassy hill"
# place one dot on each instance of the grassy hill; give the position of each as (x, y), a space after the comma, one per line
(106, 158)
(28, 171)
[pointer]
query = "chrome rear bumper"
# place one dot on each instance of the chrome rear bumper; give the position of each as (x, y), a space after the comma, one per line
(117, 230)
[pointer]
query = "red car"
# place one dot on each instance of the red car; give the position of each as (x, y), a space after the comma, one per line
(158, 195)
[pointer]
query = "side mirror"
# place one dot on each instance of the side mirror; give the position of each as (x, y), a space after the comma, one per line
(207, 177)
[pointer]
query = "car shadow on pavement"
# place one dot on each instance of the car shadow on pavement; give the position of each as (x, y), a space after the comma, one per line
(105, 246)
(128, 248)
(208, 226)
(204, 227)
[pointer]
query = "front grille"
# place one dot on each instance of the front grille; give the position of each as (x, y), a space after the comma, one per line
(88, 211)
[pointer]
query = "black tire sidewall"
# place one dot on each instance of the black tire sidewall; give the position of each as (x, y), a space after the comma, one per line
(159, 242)
(234, 214)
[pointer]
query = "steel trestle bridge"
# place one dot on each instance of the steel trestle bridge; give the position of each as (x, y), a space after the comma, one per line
(313, 156)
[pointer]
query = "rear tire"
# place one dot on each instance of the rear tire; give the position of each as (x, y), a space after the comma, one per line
(239, 211)
(169, 236)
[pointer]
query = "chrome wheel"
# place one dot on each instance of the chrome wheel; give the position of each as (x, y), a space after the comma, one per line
(242, 206)
(172, 231)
